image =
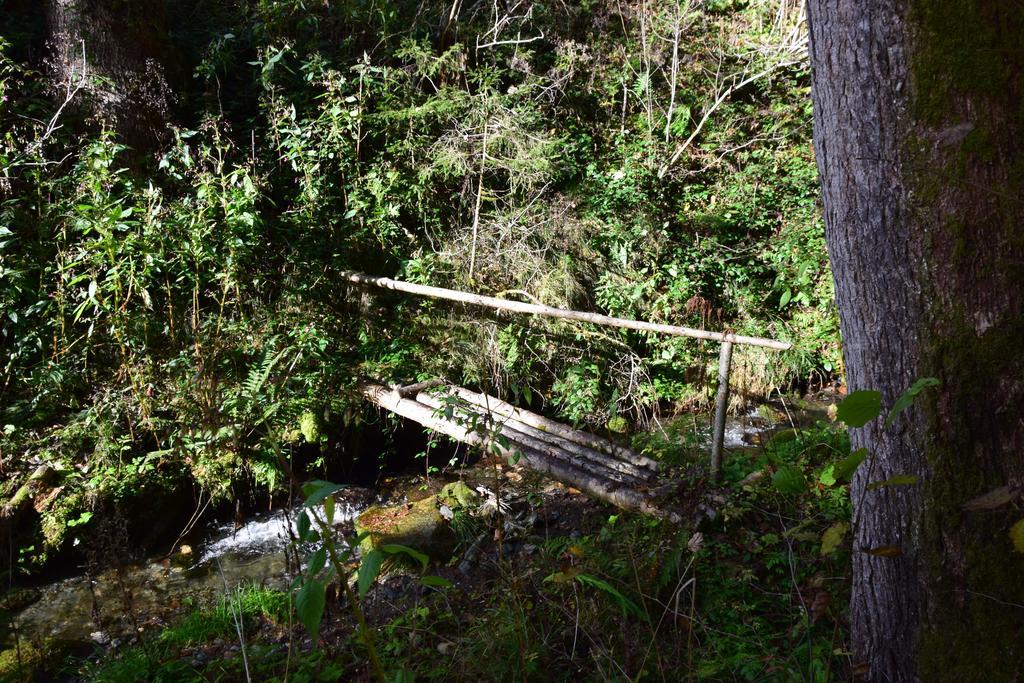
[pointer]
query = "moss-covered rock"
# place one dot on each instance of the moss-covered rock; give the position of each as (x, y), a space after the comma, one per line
(783, 436)
(418, 525)
(458, 495)
(309, 425)
(18, 598)
(617, 424)
(24, 663)
(771, 414)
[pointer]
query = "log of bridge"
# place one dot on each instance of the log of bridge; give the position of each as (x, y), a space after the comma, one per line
(543, 424)
(621, 496)
(592, 461)
(552, 312)
(506, 415)
(413, 389)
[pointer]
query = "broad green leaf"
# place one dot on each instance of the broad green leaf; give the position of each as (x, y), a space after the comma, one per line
(833, 536)
(329, 509)
(310, 487)
(786, 296)
(898, 480)
(1017, 536)
(564, 576)
(369, 570)
(859, 408)
(316, 491)
(828, 476)
(848, 465)
(302, 526)
(625, 604)
(908, 396)
(82, 519)
(789, 479)
(396, 549)
(404, 676)
(436, 582)
(316, 562)
(309, 605)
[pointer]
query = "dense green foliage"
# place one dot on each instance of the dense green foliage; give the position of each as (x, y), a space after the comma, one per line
(173, 316)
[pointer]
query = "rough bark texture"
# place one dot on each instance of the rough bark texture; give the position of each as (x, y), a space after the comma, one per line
(122, 48)
(919, 127)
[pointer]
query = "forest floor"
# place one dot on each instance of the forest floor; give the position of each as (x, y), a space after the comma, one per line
(752, 586)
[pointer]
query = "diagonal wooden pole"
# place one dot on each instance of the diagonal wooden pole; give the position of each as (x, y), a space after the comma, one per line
(564, 313)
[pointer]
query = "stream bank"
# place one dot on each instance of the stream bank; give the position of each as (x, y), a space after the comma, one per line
(118, 607)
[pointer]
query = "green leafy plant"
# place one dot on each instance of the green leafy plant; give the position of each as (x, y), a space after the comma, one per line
(310, 599)
(329, 563)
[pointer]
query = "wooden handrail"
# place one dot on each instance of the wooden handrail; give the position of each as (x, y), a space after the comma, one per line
(564, 313)
(727, 339)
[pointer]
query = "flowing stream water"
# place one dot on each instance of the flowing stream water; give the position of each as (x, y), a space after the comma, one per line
(93, 608)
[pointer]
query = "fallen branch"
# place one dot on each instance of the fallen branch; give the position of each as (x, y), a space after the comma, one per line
(413, 389)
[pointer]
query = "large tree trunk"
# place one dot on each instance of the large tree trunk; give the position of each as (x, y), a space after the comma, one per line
(919, 128)
(122, 49)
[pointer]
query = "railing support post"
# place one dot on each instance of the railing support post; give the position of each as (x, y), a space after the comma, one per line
(721, 406)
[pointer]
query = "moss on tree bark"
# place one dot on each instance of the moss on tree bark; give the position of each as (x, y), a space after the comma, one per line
(919, 138)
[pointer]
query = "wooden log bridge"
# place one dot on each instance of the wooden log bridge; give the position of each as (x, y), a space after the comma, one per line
(593, 464)
(727, 339)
